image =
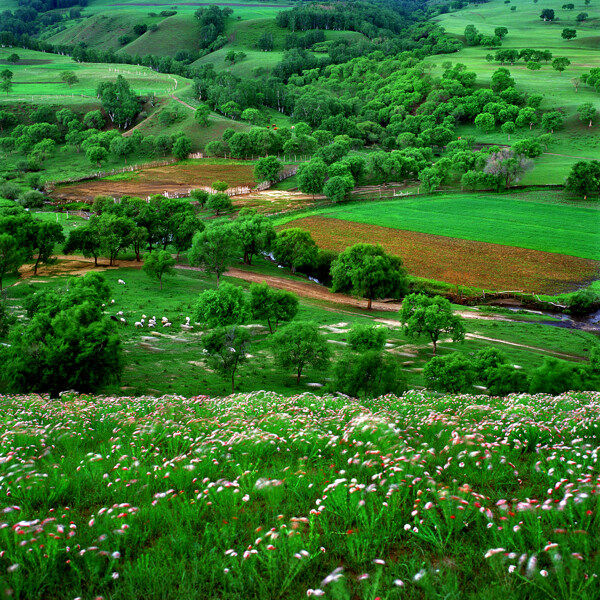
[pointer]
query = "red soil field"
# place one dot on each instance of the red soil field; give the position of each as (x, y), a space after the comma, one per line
(456, 261)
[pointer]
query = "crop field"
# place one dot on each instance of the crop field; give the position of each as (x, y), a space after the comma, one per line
(176, 178)
(259, 496)
(459, 261)
(501, 219)
(37, 78)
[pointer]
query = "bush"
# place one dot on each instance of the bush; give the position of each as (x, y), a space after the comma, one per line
(367, 337)
(583, 302)
(453, 373)
(10, 190)
(32, 199)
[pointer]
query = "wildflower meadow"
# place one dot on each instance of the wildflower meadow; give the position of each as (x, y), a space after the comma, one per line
(258, 496)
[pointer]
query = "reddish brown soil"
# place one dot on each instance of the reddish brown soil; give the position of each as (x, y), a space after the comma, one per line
(457, 261)
(172, 179)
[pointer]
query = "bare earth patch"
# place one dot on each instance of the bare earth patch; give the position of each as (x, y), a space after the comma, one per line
(171, 178)
(458, 261)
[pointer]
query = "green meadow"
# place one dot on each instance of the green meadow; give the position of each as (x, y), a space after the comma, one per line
(501, 219)
(37, 78)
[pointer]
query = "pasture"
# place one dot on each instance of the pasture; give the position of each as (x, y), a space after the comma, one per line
(262, 496)
(37, 78)
(170, 360)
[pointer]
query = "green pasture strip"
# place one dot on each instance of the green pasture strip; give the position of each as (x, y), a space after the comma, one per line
(501, 219)
(40, 82)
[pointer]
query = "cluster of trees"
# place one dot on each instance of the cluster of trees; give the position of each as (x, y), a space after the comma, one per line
(23, 238)
(584, 178)
(474, 38)
(119, 101)
(67, 343)
(212, 26)
(527, 55)
(457, 373)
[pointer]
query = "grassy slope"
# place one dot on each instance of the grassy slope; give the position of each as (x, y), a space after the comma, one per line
(101, 31)
(504, 220)
(527, 30)
(43, 78)
(179, 32)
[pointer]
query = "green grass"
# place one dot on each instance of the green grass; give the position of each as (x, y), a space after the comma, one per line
(500, 219)
(40, 82)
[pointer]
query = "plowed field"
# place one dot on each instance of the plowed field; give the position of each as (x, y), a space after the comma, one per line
(172, 179)
(457, 261)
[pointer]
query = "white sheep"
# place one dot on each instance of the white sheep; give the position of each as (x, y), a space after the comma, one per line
(138, 324)
(151, 324)
(123, 320)
(120, 313)
(186, 327)
(166, 324)
(144, 317)
(112, 301)
(121, 282)
(164, 320)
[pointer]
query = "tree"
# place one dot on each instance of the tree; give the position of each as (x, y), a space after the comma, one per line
(96, 155)
(581, 17)
(526, 116)
(486, 122)
(547, 14)
(227, 305)
(68, 343)
(299, 345)
(272, 305)
(587, 112)
(157, 264)
(508, 128)
(430, 179)
(254, 232)
(84, 239)
(220, 186)
(501, 80)
(48, 235)
(533, 65)
(584, 178)
(311, 177)
(366, 270)
(568, 34)
(185, 227)
(552, 120)
(554, 377)
(213, 249)
(201, 115)
(453, 373)
(338, 188)
(11, 257)
(13, 58)
(267, 169)
(507, 165)
(115, 234)
(366, 337)
(265, 42)
(295, 248)
(501, 32)
(219, 202)
(69, 78)
(121, 146)
(6, 75)
(119, 101)
(368, 375)
(226, 350)
(430, 317)
(182, 147)
(560, 63)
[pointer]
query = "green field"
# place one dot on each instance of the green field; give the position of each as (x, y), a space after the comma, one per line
(506, 220)
(37, 78)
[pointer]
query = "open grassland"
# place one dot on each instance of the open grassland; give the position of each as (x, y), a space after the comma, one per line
(458, 261)
(37, 78)
(176, 178)
(527, 30)
(250, 9)
(179, 32)
(171, 361)
(259, 496)
(511, 220)
(102, 31)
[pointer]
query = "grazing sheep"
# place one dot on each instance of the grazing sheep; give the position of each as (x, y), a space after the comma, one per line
(112, 301)
(144, 317)
(187, 327)
(121, 282)
(164, 320)
(120, 313)
(123, 321)
(138, 324)
(166, 324)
